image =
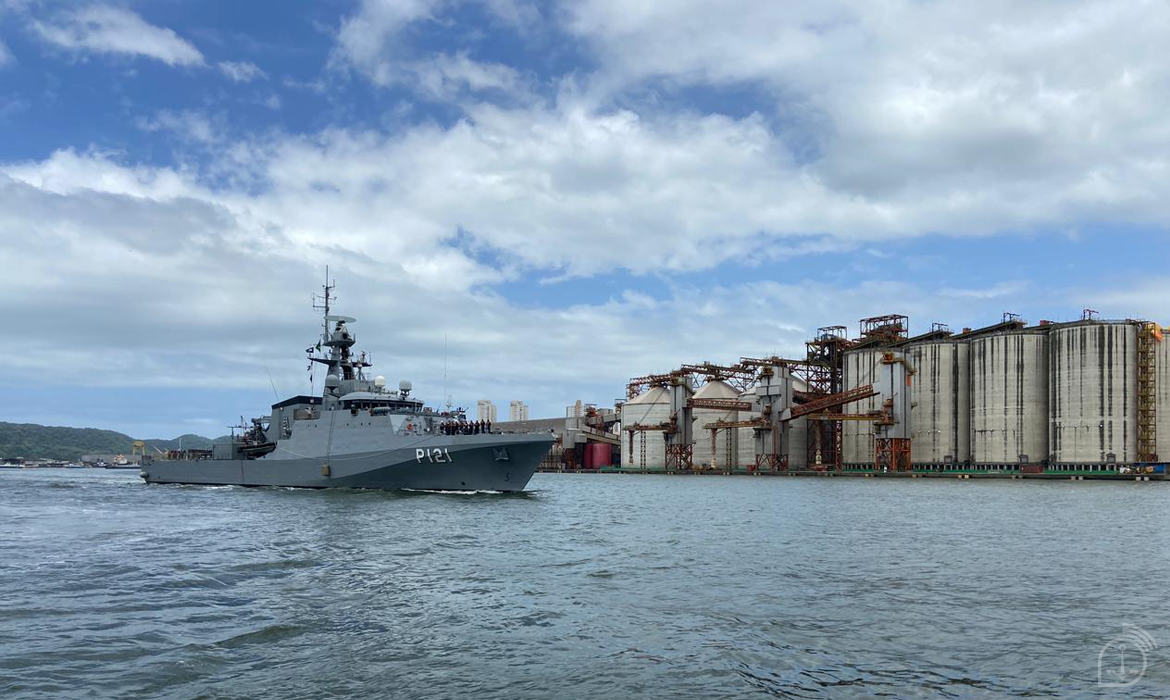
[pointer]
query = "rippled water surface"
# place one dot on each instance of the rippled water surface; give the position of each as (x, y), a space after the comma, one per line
(586, 586)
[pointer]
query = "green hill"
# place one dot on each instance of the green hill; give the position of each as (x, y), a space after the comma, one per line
(189, 441)
(30, 441)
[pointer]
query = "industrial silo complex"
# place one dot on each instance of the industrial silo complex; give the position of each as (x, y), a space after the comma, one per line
(1082, 399)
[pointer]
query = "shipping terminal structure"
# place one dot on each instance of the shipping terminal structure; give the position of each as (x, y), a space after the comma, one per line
(1081, 399)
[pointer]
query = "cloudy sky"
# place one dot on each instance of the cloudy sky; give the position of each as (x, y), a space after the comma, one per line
(564, 195)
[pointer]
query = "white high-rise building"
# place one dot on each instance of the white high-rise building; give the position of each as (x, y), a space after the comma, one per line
(518, 410)
(485, 410)
(576, 410)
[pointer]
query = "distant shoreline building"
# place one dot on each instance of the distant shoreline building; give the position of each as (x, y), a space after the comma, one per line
(485, 410)
(518, 410)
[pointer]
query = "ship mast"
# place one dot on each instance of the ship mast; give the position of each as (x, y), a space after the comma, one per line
(342, 366)
(322, 303)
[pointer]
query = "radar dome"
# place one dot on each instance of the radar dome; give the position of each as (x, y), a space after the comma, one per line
(379, 381)
(405, 385)
(332, 381)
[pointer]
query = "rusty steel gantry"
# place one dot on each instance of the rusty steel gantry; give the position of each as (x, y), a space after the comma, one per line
(822, 371)
(889, 327)
(778, 406)
(892, 434)
(826, 376)
(737, 376)
(1149, 335)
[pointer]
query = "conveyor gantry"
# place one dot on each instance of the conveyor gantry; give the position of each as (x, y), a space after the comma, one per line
(833, 400)
(720, 404)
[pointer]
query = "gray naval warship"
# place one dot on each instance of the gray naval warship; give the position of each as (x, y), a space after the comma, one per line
(359, 434)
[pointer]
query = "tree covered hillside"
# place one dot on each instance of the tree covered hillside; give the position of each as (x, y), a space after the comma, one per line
(30, 441)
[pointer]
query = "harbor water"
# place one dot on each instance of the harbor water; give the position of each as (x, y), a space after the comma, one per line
(598, 586)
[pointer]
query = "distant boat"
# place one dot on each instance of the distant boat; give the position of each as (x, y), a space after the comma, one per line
(43, 464)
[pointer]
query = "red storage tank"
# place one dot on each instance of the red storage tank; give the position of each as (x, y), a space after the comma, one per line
(598, 455)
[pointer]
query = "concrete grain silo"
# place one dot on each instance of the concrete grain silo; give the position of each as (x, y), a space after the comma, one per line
(941, 396)
(726, 443)
(1009, 397)
(797, 449)
(1093, 394)
(746, 437)
(860, 368)
(649, 447)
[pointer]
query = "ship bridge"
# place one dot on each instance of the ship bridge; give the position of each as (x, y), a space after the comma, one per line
(369, 400)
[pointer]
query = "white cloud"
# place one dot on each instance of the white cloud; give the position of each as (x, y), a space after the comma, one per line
(578, 190)
(692, 40)
(106, 29)
(219, 281)
(566, 190)
(66, 173)
(241, 71)
(186, 124)
(368, 38)
(375, 40)
(873, 122)
(5, 55)
(218, 286)
(446, 76)
(1007, 289)
(573, 191)
(521, 15)
(12, 104)
(942, 98)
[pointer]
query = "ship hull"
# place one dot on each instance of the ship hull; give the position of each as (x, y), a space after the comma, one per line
(459, 463)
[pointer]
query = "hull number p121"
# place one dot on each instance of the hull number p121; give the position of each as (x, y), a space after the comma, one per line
(432, 455)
